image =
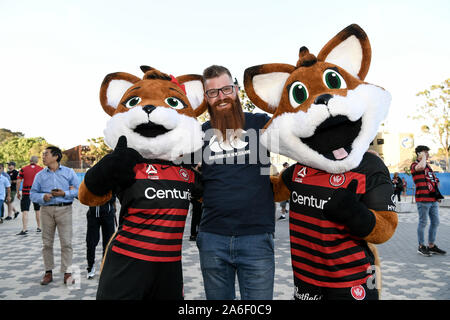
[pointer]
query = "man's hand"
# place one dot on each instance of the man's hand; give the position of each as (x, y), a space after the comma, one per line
(421, 155)
(47, 197)
(58, 193)
(19, 195)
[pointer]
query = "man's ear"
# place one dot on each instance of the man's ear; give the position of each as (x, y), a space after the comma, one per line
(193, 84)
(349, 49)
(113, 88)
(264, 84)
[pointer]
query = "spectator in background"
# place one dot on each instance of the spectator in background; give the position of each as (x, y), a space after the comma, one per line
(54, 188)
(196, 210)
(3, 173)
(398, 185)
(283, 204)
(12, 173)
(27, 174)
(405, 186)
(5, 192)
(103, 217)
(427, 198)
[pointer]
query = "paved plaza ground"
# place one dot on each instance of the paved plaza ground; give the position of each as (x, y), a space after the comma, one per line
(406, 274)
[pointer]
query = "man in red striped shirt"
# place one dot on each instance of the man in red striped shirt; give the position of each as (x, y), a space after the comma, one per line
(427, 199)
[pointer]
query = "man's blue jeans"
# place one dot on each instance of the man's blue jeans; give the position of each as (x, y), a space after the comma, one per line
(1, 208)
(425, 210)
(251, 257)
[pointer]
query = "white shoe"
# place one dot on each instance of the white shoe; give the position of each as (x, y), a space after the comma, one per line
(91, 274)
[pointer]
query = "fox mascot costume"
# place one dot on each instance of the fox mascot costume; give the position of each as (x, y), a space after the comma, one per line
(325, 117)
(153, 125)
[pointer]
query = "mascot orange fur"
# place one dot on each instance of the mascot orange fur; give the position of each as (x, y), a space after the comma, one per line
(152, 127)
(325, 117)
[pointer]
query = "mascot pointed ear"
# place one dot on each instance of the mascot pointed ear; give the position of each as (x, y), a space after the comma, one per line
(349, 49)
(193, 84)
(113, 88)
(264, 84)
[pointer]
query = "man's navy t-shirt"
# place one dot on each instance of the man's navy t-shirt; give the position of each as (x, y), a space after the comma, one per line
(238, 197)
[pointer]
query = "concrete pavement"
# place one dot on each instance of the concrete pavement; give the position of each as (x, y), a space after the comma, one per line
(406, 274)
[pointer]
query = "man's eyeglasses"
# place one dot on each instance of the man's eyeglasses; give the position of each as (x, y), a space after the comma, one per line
(227, 90)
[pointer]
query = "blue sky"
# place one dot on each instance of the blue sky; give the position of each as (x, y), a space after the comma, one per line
(55, 54)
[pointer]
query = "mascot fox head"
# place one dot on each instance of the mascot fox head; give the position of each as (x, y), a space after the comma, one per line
(157, 114)
(324, 114)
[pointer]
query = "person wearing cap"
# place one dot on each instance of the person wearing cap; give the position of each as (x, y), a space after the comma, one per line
(13, 173)
(427, 200)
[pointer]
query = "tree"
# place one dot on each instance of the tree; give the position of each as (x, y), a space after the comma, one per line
(20, 150)
(246, 103)
(6, 134)
(434, 113)
(97, 149)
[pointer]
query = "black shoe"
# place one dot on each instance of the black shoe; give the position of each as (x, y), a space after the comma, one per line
(193, 238)
(423, 250)
(282, 217)
(16, 214)
(8, 218)
(436, 250)
(38, 230)
(23, 233)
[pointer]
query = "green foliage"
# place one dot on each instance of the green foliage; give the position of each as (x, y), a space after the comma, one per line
(97, 150)
(6, 134)
(20, 150)
(246, 103)
(434, 115)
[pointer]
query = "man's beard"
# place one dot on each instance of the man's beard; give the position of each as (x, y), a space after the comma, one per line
(229, 121)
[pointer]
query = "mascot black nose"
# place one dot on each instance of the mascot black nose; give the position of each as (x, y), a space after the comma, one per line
(148, 108)
(323, 99)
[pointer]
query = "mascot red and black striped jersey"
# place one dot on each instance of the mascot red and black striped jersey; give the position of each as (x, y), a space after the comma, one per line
(325, 117)
(153, 127)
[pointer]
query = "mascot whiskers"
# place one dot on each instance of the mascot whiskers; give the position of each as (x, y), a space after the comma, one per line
(153, 127)
(325, 117)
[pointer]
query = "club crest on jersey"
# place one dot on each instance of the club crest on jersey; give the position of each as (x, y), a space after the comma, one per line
(337, 180)
(184, 174)
(301, 174)
(152, 173)
(358, 292)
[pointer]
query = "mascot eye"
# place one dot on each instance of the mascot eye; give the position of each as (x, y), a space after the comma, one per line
(334, 80)
(174, 103)
(132, 102)
(297, 94)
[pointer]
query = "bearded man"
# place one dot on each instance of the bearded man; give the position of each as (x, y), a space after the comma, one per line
(237, 225)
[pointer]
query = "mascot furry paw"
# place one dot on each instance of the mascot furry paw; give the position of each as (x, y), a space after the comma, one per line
(325, 117)
(153, 125)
